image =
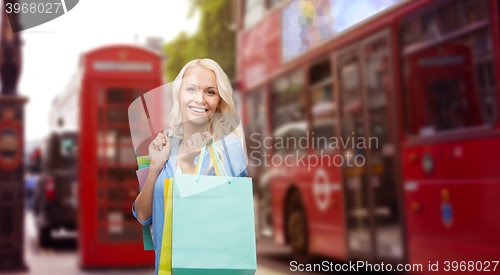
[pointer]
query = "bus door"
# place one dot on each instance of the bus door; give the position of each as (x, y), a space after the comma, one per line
(368, 143)
(325, 214)
(114, 227)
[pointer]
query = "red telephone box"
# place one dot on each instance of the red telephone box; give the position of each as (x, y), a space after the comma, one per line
(112, 77)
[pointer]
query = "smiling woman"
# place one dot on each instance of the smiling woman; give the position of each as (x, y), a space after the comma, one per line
(204, 96)
(203, 109)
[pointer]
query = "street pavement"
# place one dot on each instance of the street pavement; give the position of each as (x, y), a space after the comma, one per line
(61, 257)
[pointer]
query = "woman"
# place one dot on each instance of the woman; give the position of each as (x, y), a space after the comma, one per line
(202, 109)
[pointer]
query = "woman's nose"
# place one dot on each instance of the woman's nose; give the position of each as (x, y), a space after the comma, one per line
(199, 98)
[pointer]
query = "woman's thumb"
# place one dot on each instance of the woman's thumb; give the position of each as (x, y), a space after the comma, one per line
(208, 137)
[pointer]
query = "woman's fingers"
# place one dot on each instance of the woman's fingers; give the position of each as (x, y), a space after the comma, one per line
(154, 143)
(167, 140)
(190, 144)
(197, 140)
(165, 137)
(167, 147)
(159, 141)
(208, 137)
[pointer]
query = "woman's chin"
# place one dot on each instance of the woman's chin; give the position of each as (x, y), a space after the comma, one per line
(198, 120)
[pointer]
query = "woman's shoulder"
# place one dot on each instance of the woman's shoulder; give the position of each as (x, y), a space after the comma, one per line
(236, 155)
(232, 146)
(175, 141)
(229, 141)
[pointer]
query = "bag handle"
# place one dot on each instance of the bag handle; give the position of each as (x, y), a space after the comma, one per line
(216, 160)
(198, 165)
(218, 167)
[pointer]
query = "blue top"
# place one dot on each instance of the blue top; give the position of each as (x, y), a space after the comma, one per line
(30, 182)
(234, 161)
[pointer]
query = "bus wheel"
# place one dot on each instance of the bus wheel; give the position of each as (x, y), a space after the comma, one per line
(296, 226)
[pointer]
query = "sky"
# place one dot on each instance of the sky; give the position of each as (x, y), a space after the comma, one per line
(51, 50)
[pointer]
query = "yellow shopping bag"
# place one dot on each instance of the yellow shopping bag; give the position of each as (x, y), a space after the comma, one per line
(165, 267)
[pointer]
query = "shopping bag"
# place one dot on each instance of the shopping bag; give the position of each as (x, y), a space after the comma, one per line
(147, 229)
(165, 266)
(213, 229)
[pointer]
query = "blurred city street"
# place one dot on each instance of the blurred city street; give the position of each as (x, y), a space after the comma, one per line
(363, 133)
(62, 257)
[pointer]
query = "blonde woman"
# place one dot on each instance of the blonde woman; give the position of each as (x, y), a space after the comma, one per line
(203, 108)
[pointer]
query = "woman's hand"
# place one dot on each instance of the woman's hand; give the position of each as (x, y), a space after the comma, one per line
(192, 147)
(159, 151)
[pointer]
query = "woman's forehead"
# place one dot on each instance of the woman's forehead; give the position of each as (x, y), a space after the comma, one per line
(200, 77)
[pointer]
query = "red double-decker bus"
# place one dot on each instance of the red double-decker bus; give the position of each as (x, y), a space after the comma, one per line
(418, 81)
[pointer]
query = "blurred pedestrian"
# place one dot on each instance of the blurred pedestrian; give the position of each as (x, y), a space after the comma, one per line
(30, 183)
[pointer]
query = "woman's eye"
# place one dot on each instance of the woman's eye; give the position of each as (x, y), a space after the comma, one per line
(211, 92)
(191, 89)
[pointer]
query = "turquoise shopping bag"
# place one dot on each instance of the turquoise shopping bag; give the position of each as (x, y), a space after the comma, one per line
(213, 228)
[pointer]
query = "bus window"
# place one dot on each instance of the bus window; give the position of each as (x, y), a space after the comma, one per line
(288, 100)
(350, 94)
(256, 132)
(448, 81)
(323, 106)
(291, 135)
(255, 128)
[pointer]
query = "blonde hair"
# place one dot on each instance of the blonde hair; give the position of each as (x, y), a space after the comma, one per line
(222, 125)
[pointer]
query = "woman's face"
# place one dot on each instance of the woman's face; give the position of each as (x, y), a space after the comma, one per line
(198, 95)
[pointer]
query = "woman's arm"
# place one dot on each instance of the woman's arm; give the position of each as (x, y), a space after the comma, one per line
(159, 151)
(144, 201)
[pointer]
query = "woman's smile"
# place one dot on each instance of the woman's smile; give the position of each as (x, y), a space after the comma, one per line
(198, 111)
